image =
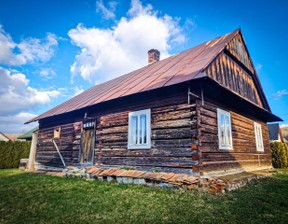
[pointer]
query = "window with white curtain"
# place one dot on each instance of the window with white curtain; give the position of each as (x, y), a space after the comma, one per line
(224, 129)
(258, 137)
(139, 130)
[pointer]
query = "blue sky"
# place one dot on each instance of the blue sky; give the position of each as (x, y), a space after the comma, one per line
(52, 50)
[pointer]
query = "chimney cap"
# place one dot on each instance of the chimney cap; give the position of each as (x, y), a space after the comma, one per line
(153, 56)
(153, 50)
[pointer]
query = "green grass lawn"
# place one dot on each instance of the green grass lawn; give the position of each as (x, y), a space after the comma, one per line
(32, 198)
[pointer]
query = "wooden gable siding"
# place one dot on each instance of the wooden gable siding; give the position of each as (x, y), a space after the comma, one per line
(229, 74)
(173, 131)
(244, 154)
(68, 144)
(237, 48)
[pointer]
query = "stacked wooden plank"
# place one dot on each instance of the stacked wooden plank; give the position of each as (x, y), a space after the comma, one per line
(172, 178)
(215, 185)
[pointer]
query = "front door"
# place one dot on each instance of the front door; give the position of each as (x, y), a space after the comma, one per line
(87, 143)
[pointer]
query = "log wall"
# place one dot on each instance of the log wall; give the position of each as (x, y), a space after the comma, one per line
(173, 131)
(68, 144)
(244, 155)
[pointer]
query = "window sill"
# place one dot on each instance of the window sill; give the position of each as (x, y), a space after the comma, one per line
(225, 148)
(138, 147)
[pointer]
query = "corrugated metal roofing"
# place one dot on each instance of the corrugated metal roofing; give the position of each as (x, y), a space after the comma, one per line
(175, 69)
(28, 134)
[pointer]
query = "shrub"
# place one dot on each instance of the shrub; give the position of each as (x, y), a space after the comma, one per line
(12, 152)
(126, 168)
(279, 152)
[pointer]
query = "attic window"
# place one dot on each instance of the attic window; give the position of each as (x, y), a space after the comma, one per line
(258, 137)
(57, 132)
(224, 129)
(139, 132)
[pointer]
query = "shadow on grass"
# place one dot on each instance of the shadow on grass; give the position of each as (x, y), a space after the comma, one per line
(6, 173)
(262, 201)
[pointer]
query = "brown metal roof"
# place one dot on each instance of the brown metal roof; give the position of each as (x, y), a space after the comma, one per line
(173, 70)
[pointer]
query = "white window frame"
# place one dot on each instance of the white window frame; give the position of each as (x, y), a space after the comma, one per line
(147, 145)
(258, 137)
(227, 130)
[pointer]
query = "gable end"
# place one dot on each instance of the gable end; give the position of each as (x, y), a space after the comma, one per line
(238, 49)
(234, 69)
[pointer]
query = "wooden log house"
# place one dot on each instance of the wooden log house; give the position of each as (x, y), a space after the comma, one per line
(199, 112)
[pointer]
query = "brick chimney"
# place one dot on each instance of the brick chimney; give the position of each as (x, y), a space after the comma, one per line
(153, 56)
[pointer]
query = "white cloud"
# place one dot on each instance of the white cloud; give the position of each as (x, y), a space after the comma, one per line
(280, 94)
(108, 53)
(138, 9)
(14, 124)
(30, 49)
(47, 73)
(77, 90)
(283, 125)
(7, 45)
(107, 12)
(258, 67)
(16, 95)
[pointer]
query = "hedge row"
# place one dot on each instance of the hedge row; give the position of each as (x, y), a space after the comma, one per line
(12, 152)
(279, 152)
